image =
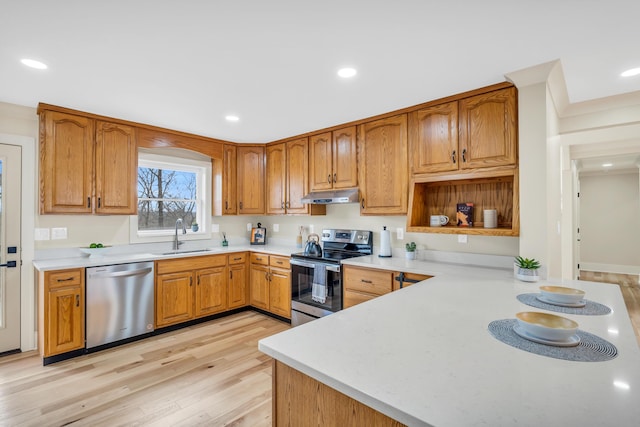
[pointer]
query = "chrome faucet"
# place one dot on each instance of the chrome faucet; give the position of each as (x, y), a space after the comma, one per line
(176, 242)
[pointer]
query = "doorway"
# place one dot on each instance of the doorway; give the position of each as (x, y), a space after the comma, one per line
(10, 247)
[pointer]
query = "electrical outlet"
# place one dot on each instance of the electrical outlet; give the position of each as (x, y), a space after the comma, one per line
(41, 234)
(400, 233)
(215, 228)
(462, 238)
(249, 226)
(59, 233)
(311, 229)
(276, 228)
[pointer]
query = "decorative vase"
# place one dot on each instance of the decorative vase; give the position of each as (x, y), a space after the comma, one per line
(194, 227)
(527, 275)
(410, 255)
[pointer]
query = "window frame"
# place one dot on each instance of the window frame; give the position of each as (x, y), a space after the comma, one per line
(202, 168)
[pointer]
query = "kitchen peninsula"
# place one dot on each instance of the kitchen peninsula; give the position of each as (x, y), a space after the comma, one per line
(423, 356)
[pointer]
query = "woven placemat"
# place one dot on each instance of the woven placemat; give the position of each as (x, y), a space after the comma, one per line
(590, 309)
(591, 348)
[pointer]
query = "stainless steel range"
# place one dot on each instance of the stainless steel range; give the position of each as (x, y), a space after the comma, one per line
(316, 280)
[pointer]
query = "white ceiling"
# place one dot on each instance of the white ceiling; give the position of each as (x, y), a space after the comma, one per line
(186, 64)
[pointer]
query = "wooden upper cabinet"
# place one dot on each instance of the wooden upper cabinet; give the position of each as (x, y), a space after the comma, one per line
(276, 178)
(66, 163)
(229, 183)
(87, 165)
(382, 173)
(332, 160)
(433, 138)
(251, 178)
(116, 169)
(488, 130)
(297, 176)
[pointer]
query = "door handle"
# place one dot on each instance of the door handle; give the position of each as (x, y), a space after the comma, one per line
(9, 264)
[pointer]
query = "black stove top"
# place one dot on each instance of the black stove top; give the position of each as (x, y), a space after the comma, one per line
(341, 244)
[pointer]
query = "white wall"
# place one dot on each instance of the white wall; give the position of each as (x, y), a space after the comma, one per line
(610, 220)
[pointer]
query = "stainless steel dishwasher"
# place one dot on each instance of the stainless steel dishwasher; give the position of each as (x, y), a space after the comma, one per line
(119, 302)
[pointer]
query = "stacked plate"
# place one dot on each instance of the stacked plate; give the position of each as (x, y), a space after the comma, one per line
(564, 297)
(547, 329)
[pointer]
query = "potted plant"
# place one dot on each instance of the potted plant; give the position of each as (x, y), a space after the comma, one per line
(194, 226)
(410, 250)
(527, 269)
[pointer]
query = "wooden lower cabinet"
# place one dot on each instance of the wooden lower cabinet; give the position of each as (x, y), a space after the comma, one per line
(174, 298)
(61, 311)
(299, 400)
(363, 284)
(211, 291)
(270, 280)
(238, 291)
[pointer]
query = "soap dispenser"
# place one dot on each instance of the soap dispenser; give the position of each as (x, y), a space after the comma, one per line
(385, 243)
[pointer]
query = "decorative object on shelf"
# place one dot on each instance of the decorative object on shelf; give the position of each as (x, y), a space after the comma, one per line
(194, 226)
(438, 220)
(385, 243)
(464, 214)
(490, 218)
(527, 269)
(258, 235)
(224, 239)
(299, 237)
(410, 250)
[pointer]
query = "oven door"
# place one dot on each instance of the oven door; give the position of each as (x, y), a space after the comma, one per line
(316, 285)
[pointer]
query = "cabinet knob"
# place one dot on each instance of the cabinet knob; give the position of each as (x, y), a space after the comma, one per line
(453, 156)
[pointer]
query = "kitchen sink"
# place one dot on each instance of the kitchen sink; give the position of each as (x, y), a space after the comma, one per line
(185, 251)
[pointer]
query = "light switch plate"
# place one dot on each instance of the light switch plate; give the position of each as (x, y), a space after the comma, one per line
(462, 238)
(400, 233)
(276, 228)
(41, 234)
(248, 226)
(311, 229)
(59, 233)
(215, 228)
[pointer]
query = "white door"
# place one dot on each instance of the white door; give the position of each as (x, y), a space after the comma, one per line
(10, 226)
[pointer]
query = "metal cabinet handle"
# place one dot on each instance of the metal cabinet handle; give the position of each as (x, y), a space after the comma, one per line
(226, 204)
(77, 300)
(240, 205)
(191, 281)
(281, 205)
(335, 177)
(237, 259)
(88, 201)
(231, 274)
(329, 178)
(366, 281)
(453, 156)
(64, 280)
(99, 202)
(288, 205)
(464, 153)
(362, 203)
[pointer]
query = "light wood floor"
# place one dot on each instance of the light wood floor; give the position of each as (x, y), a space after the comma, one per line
(630, 287)
(211, 374)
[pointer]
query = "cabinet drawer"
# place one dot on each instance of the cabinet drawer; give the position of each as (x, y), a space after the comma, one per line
(190, 264)
(279, 261)
(261, 259)
(375, 282)
(352, 298)
(62, 278)
(238, 258)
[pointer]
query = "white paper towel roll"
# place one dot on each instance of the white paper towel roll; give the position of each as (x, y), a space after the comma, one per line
(385, 243)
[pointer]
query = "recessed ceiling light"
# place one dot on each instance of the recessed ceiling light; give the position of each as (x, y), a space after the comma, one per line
(632, 72)
(232, 118)
(607, 165)
(347, 72)
(34, 64)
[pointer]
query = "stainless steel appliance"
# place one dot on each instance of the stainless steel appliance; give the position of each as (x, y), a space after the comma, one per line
(119, 302)
(316, 278)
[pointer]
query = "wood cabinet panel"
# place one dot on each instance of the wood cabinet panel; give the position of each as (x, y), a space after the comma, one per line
(229, 183)
(433, 138)
(261, 259)
(320, 162)
(239, 258)
(279, 261)
(259, 286)
(116, 169)
(376, 282)
(333, 160)
(280, 292)
(351, 298)
(63, 316)
(238, 285)
(251, 179)
(270, 283)
(383, 177)
(66, 163)
(211, 291)
(190, 263)
(174, 298)
(276, 178)
(297, 177)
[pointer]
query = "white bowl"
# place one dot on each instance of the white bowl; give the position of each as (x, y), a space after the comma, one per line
(546, 326)
(96, 252)
(561, 294)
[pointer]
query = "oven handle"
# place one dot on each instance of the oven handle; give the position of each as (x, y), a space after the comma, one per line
(330, 267)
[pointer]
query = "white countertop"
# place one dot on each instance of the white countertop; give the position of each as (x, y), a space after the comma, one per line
(424, 356)
(124, 256)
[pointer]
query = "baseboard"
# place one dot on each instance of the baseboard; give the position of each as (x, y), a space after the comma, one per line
(610, 268)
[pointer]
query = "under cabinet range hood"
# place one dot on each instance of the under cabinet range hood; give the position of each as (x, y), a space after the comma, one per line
(350, 195)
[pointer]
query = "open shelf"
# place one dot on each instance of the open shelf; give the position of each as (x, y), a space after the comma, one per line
(438, 194)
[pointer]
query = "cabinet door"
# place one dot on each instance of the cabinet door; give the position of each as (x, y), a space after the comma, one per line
(488, 133)
(229, 203)
(433, 138)
(64, 320)
(237, 285)
(174, 298)
(345, 170)
(251, 178)
(297, 176)
(383, 175)
(276, 178)
(116, 169)
(66, 163)
(280, 292)
(259, 286)
(211, 291)
(320, 162)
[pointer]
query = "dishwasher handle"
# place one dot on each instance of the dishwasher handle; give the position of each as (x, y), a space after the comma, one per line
(125, 273)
